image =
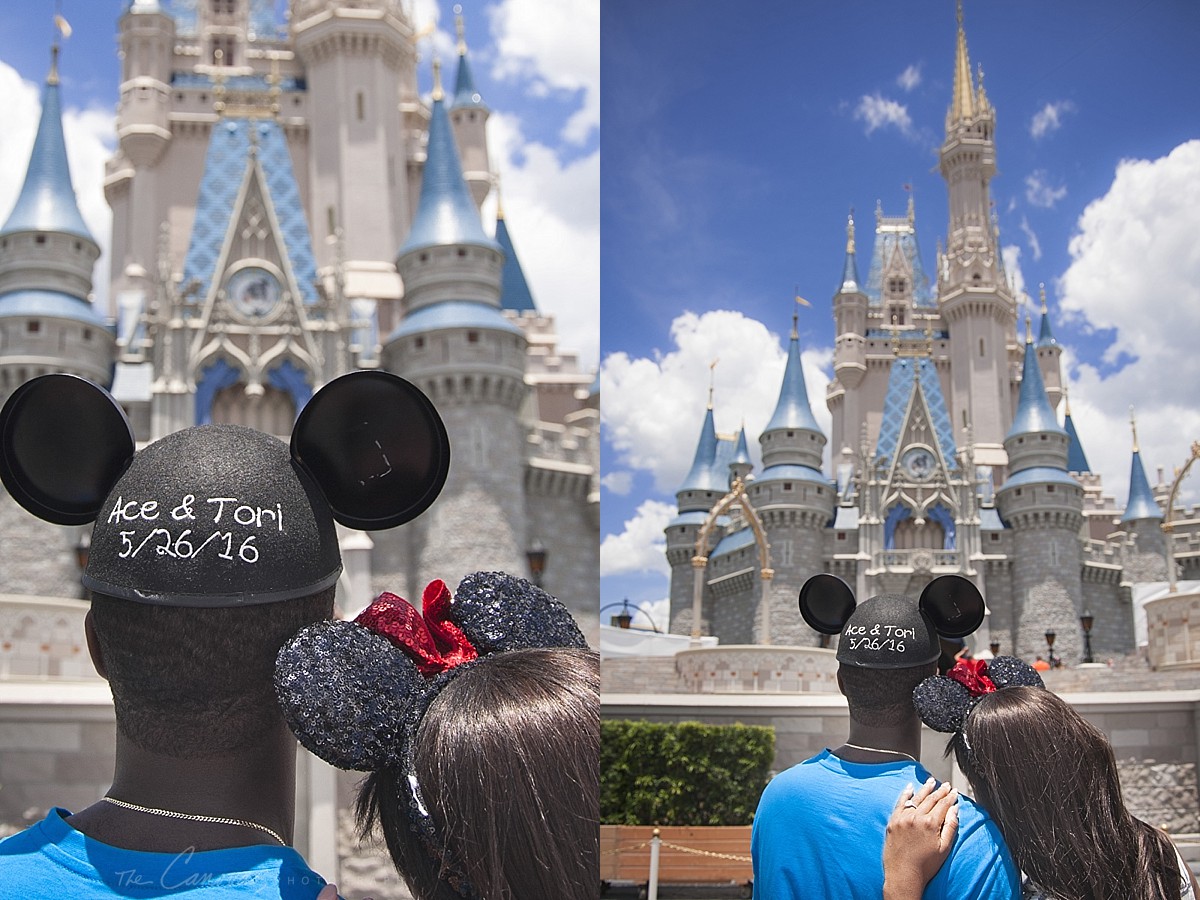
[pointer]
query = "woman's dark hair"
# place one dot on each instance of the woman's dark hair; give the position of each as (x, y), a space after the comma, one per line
(507, 758)
(195, 682)
(1049, 780)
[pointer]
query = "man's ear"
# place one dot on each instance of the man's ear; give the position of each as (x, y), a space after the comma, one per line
(93, 645)
(841, 687)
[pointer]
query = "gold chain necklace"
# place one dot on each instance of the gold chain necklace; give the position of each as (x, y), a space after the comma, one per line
(171, 814)
(877, 750)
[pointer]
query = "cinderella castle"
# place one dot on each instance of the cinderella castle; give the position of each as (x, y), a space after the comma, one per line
(287, 208)
(947, 451)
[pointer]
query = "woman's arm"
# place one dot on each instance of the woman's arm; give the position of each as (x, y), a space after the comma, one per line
(920, 834)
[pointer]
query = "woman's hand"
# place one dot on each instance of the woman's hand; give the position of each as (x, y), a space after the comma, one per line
(920, 834)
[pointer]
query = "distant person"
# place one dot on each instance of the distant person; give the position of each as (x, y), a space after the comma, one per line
(211, 547)
(819, 829)
(1041, 665)
(1048, 778)
(478, 719)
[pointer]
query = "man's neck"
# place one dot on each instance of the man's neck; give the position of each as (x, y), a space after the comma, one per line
(256, 786)
(884, 743)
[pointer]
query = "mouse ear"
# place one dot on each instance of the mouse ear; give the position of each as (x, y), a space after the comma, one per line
(344, 692)
(376, 446)
(826, 603)
(64, 442)
(953, 604)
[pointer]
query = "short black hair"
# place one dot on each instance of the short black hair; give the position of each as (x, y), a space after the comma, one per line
(882, 697)
(193, 682)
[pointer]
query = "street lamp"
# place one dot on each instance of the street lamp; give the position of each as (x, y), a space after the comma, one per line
(536, 556)
(624, 618)
(1050, 636)
(994, 646)
(1086, 619)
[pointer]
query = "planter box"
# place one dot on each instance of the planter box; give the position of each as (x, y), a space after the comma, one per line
(625, 854)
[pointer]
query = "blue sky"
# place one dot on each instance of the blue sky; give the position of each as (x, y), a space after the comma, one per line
(737, 138)
(536, 66)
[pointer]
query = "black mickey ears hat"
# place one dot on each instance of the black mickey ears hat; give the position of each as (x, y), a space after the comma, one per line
(891, 631)
(221, 515)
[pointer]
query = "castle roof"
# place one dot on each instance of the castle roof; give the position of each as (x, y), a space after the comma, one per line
(49, 305)
(1141, 499)
(1034, 412)
(465, 93)
(446, 214)
(47, 199)
(793, 409)
(907, 376)
(235, 142)
(741, 452)
(514, 289)
(705, 474)
(1076, 458)
(453, 314)
(1045, 335)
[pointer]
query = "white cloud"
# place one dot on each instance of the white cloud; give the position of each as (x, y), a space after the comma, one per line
(1136, 269)
(556, 46)
(1011, 254)
(1039, 193)
(877, 112)
(642, 546)
(619, 482)
(653, 408)
(1035, 246)
(910, 78)
(90, 138)
(1049, 118)
(553, 215)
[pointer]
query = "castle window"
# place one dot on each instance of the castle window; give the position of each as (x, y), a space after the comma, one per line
(330, 220)
(995, 536)
(787, 485)
(39, 239)
(87, 334)
(472, 337)
(33, 326)
(1049, 489)
(360, 106)
(841, 535)
(78, 245)
(222, 50)
(1018, 492)
(981, 346)
(424, 257)
(462, 251)
(419, 343)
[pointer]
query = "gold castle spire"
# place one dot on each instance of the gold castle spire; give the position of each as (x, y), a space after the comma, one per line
(438, 94)
(963, 106)
(1133, 425)
(460, 30)
(850, 232)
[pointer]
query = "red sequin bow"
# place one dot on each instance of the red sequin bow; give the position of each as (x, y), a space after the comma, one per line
(972, 674)
(430, 639)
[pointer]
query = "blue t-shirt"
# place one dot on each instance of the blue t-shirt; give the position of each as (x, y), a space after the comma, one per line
(820, 827)
(52, 859)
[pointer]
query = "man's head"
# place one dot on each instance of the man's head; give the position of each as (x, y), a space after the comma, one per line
(215, 544)
(196, 682)
(881, 698)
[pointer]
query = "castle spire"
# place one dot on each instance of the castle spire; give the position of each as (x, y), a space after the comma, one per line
(1076, 458)
(963, 101)
(793, 410)
(1141, 499)
(446, 213)
(514, 288)
(1045, 335)
(1034, 412)
(465, 93)
(850, 269)
(47, 200)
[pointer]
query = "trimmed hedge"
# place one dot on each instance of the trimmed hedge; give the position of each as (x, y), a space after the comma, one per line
(682, 774)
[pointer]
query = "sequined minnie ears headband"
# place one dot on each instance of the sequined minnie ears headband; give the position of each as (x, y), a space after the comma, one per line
(354, 692)
(944, 701)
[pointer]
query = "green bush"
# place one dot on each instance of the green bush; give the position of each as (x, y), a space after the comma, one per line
(682, 774)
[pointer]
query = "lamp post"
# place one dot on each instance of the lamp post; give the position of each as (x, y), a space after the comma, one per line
(994, 646)
(536, 556)
(1050, 636)
(1086, 620)
(624, 618)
